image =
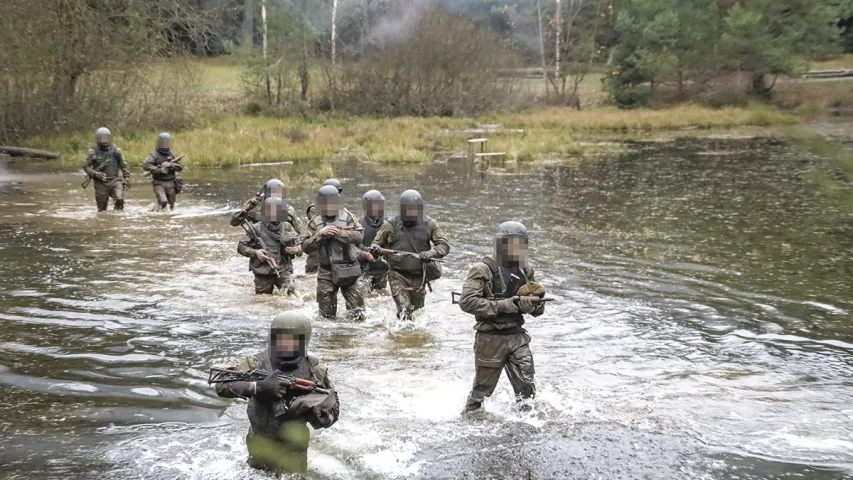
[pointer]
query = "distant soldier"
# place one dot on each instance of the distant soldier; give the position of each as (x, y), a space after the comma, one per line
(336, 236)
(499, 290)
(273, 188)
(103, 163)
(280, 443)
(374, 270)
(417, 239)
(311, 262)
(163, 167)
(271, 247)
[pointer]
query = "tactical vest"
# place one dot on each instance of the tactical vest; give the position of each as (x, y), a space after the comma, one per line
(159, 159)
(500, 286)
(107, 161)
(274, 246)
(333, 250)
(370, 231)
(415, 240)
(260, 410)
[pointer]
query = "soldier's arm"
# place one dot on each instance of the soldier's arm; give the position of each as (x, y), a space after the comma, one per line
(122, 163)
(540, 307)
(312, 242)
(439, 242)
(89, 168)
(293, 220)
(241, 216)
(176, 165)
(247, 247)
(354, 236)
(321, 374)
(473, 289)
(382, 236)
(238, 389)
(148, 164)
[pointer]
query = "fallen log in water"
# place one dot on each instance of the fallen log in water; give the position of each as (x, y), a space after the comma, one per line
(27, 152)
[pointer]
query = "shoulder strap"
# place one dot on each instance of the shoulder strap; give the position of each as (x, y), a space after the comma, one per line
(496, 275)
(318, 221)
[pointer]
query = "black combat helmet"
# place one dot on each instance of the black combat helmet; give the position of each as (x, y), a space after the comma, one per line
(370, 198)
(290, 335)
(273, 210)
(103, 138)
(164, 143)
(409, 200)
(273, 188)
(335, 183)
(511, 245)
(328, 200)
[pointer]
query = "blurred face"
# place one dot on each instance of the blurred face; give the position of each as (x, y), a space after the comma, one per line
(273, 212)
(375, 208)
(286, 343)
(275, 192)
(329, 206)
(103, 139)
(513, 251)
(164, 143)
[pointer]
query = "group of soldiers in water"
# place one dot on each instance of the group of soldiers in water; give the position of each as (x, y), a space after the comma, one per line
(286, 387)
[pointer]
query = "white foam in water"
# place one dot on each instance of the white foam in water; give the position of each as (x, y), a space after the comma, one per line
(148, 392)
(77, 387)
(828, 308)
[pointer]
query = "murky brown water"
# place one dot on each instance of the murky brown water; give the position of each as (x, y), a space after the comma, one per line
(703, 328)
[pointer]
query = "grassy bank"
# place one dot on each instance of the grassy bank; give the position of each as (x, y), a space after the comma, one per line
(535, 135)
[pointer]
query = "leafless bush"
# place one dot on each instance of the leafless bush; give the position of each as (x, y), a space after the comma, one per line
(444, 65)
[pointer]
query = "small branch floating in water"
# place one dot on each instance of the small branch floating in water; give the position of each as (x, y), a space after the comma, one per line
(265, 164)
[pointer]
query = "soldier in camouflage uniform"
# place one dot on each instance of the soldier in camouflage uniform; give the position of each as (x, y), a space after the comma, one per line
(311, 263)
(103, 162)
(501, 343)
(336, 235)
(416, 233)
(163, 167)
(272, 267)
(280, 443)
(273, 188)
(374, 269)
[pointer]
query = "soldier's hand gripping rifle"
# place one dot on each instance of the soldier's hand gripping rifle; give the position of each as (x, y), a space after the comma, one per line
(100, 171)
(223, 375)
(454, 298)
(257, 238)
(176, 160)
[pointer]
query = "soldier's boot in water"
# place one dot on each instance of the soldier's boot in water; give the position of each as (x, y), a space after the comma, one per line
(119, 205)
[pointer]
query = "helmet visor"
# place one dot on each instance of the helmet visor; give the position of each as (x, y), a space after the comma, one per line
(103, 138)
(164, 143)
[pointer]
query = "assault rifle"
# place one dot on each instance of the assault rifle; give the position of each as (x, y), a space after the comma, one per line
(99, 170)
(148, 173)
(454, 298)
(224, 375)
(254, 236)
(402, 254)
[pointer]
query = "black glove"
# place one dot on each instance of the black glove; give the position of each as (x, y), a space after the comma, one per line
(102, 177)
(321, 415)
(270, 387)
(126, 184)
(427, 255)
(376, 251)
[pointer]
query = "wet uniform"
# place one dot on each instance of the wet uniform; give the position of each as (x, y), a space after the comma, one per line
(501, 343)
(275, 238)
(406, 275)
(344, 244)
(165, 191)
(375, 273)
(109, 162)
(280, 443)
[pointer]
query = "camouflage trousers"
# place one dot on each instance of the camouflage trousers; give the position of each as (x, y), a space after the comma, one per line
(312, 262)
(164, 193)
(111, 188)
(265, 284)
(408, 292)
(327, 297)
(279, 455)
(495, 352)
(374, 276)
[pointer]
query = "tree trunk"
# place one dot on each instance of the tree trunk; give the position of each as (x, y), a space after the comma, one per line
(759, 86)
(558, 40)
(303, 66)
(334, 27)
(248, 28)
(27, 152)
(542, 46)
(266, 62)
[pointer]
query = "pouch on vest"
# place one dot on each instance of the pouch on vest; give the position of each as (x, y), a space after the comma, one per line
(433, 270)
(179, 185)
(345, 274)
